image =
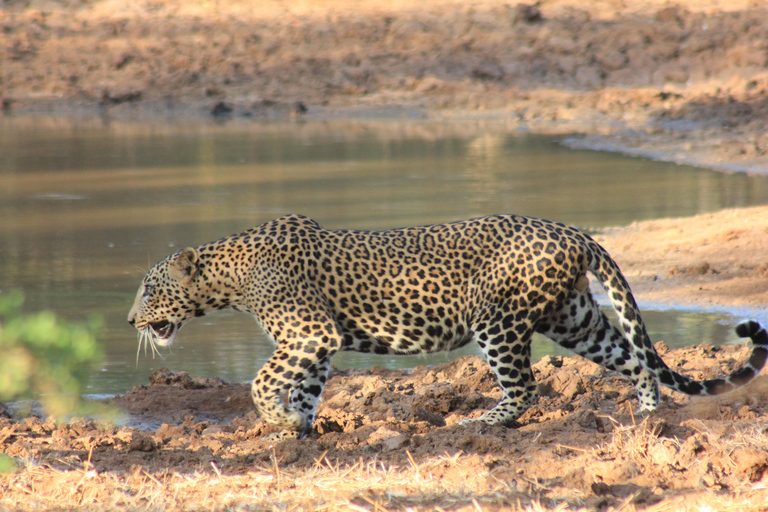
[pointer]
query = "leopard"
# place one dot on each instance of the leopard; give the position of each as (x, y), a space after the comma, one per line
(494, 281)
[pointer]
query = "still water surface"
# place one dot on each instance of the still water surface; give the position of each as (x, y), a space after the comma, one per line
(86, 208)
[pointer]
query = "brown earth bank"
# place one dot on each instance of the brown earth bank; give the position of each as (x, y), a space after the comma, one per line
(390, 440)
(681, 80)
(714, 259)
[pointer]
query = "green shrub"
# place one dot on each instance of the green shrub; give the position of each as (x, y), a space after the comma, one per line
(44, 356)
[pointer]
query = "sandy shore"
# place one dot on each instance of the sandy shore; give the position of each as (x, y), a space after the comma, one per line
(716, 259)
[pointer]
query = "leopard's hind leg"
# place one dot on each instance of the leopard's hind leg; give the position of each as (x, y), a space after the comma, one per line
(581, 326)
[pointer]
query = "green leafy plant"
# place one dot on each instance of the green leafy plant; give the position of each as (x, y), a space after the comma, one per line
(44, 356)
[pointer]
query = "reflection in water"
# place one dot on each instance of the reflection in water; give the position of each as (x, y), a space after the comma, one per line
(87, 208)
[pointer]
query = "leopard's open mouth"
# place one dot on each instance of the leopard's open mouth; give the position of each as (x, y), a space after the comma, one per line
(154, 334)
(163, 329)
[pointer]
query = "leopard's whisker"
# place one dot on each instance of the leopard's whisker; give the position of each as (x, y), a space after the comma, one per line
(142, 335)
(147, 339)
(155, 350)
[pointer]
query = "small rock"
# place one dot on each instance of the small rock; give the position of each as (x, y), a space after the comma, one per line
(221, 109)
(125, 60)
(142, 443)
(488, 71)
(299, 108)
(396, 443)
(389, 438)
(422, 414)
(527, 13)
(669, 14)
(109, 98)
(700, 269)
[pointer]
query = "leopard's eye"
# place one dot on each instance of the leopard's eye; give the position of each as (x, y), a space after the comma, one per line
(148, 289)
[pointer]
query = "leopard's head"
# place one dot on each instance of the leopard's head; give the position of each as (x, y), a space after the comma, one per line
(167, 298)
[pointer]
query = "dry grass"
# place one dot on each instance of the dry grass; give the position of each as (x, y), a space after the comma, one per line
(650, 449)
(461, 482)
(366, 485)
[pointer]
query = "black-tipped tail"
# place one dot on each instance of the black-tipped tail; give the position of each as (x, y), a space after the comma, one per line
(757, 359)
(752, 329)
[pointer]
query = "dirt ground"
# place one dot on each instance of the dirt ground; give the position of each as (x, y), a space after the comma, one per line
(390, 440)
(683, 81)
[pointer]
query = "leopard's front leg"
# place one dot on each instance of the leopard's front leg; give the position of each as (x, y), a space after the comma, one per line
(505, 341)
(306, 396)
(298, 368)
(273, 381)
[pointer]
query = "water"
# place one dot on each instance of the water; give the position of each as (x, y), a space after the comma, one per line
(87, 207)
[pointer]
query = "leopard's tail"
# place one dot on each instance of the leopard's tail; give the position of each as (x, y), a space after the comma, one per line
(608, 273)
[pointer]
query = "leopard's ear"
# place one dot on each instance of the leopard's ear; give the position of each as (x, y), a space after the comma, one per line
(184, 265)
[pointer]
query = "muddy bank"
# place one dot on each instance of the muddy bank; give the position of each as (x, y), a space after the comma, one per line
(395, 438)
(683, 80)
